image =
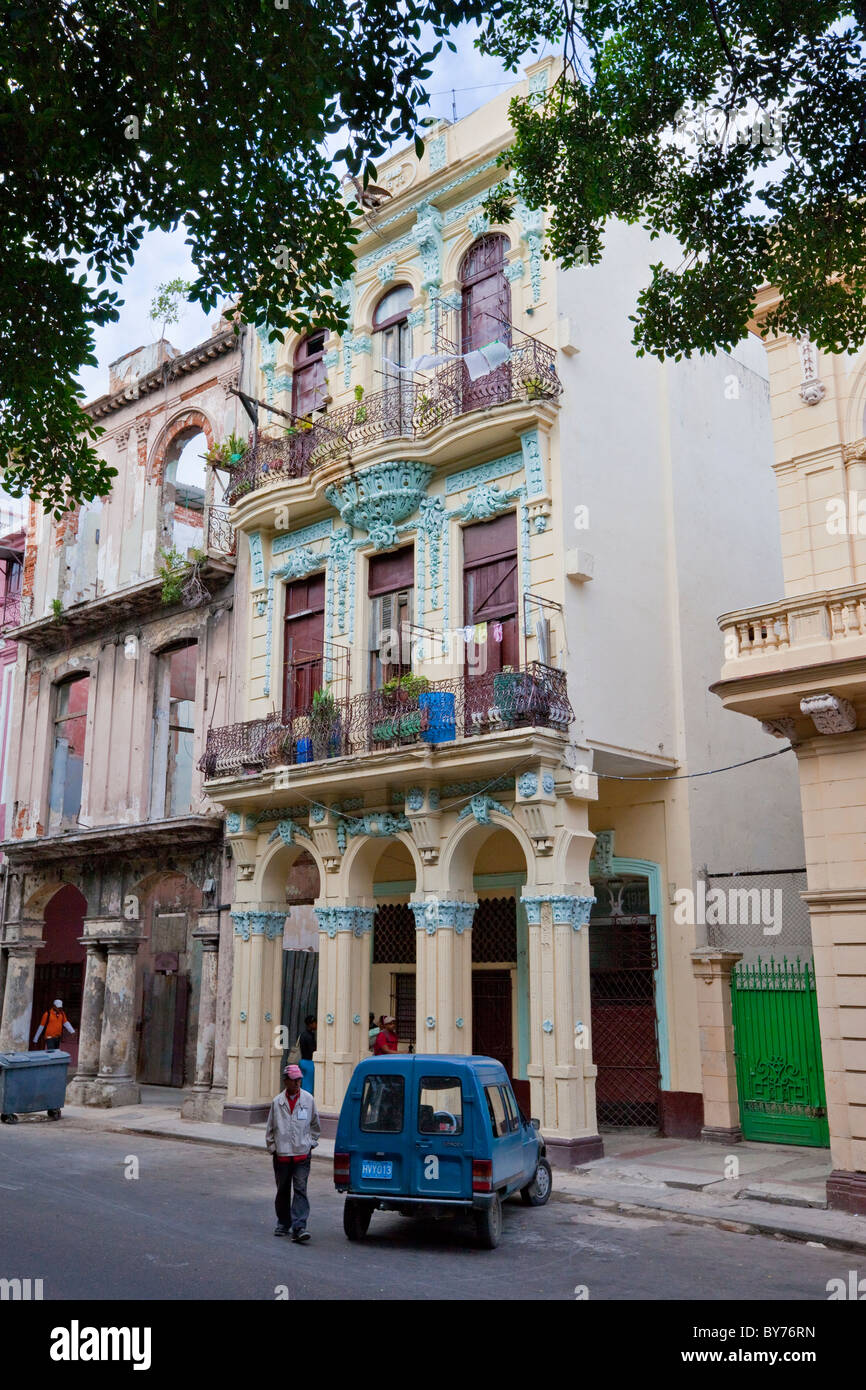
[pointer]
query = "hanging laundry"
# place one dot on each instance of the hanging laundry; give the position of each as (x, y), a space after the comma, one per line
(485, 360)
(496, 632)
(468, 634)
(480, 634)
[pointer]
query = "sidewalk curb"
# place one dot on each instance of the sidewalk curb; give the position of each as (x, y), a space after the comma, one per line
(750, 1226)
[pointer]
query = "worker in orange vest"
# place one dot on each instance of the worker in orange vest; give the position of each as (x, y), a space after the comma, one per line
(53, 1022)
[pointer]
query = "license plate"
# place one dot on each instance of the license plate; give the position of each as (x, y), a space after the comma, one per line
(370, 1169)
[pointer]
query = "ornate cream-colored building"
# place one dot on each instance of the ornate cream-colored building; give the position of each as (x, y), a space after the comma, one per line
(483, 546)
(798, 664)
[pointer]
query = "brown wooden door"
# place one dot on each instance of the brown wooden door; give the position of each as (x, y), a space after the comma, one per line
(304, 644)
(485, 317)
(490, 593)
(163, 1029)
(491, 1016)
(309, 376)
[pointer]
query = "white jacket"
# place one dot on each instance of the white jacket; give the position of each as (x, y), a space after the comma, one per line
(294, 1132)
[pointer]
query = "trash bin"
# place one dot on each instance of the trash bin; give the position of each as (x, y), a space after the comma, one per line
(31, 1081)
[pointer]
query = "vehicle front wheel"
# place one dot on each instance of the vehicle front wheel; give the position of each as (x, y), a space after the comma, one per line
(488, 1224)
(537, 1192)
(356, 1218)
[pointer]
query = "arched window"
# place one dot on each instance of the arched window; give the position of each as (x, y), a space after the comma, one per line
(308, 374)
(393, 351)
(485, 316)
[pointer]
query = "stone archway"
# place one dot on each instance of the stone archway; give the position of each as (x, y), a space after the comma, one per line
(59, 970)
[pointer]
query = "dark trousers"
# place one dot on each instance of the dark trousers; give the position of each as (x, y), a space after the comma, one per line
(51, 1044)
(291, 1203)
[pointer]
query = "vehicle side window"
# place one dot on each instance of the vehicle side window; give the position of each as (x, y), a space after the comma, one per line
(440, 1105)
(511, 1108)
(382, 1105)
(496, 1108)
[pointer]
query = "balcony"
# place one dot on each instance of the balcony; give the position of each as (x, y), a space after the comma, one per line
(445, 713)
(828, 625)
(10, 611)
(406, 412)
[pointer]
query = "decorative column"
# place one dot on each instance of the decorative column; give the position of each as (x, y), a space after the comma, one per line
(90, 1028)
(443, 981)
(115, 1082)
(712, 971)
(561, 1071)
(18, 995)
(201, 1105)
(257, 983)
(344, 1001)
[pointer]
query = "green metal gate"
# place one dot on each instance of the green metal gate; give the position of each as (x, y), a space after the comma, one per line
(777, 1045)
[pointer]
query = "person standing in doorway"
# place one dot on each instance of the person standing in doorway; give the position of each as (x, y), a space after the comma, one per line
(387, 1040)
(292, 1132)
(307, 1044)
(53, 1022)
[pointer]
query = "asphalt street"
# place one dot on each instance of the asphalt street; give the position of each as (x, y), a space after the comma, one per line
(197, 1223)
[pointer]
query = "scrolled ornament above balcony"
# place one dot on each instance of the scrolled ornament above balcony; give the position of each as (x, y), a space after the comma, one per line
(379, 498)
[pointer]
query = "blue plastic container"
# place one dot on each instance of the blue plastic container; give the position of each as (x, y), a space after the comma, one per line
(31, 1081)
(305, 750)
(441, 723)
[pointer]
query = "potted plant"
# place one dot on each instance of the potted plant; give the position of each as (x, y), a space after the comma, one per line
(325, 727)
(360, 410)
(536, 388)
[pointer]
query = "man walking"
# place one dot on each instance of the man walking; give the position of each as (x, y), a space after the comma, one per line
(53, 1022)
(292, 1133)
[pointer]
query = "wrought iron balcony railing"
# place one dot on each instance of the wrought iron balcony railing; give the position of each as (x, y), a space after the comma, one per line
(378, 720)
(406, 411)
(10, 611)
(220, 532)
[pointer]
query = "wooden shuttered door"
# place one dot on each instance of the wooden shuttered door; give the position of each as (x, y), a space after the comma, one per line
(304, 643)
(490, 593)
(390, 591)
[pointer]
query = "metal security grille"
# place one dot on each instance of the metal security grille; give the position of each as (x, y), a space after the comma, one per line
(494, 931)
(394, 935)
(777, 1045)
(760, 914)
(403, 1006)
(622, 953)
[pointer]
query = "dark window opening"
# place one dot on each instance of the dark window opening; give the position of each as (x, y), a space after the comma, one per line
(67, 764)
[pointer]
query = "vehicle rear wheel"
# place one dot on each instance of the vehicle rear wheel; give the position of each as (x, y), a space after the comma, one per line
(488, 1224)
(537, 1192)
(54, 1114)
(9, 1119)
(356, 1218)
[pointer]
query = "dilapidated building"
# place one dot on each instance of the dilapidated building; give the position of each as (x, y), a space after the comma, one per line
(116, 869)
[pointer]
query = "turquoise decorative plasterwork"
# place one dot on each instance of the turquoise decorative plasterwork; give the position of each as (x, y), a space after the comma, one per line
(502, 784)
(538, 87)
(257, 560)
(437, 150)
(288, 832)
(416, 317)
(358, 921)
(566, 909)
(548, 783)
(533, 463)
(483, 473)
(515, 270)
(233, 823)
(386, 272)
(379, 498)
(527, 784)
(532, 222)
(377, 824)
(290, 540)
(253, 923)
(392, 247)
(428, 239)
(481, 807)
(443, 914)
(479, 223)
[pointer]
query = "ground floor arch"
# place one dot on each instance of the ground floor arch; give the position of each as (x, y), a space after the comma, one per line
(59, 972)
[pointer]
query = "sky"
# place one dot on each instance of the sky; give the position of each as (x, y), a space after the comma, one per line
(163, 256)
